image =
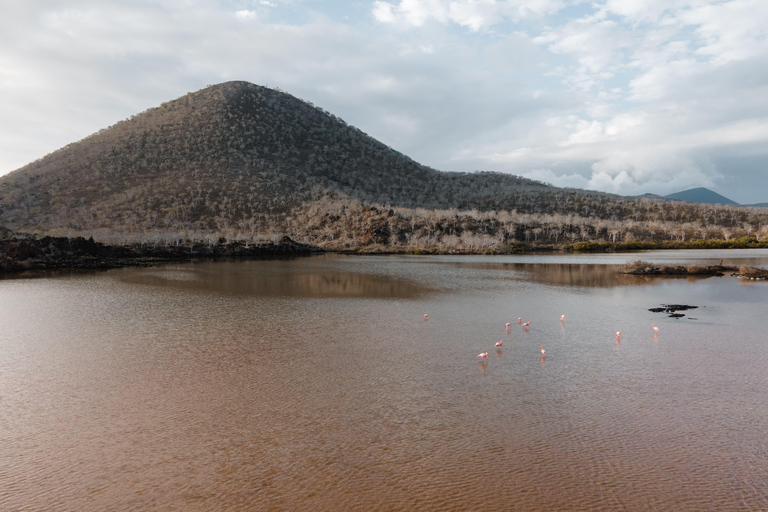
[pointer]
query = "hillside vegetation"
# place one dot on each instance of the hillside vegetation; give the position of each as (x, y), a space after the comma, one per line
(241, 161)
(225, 155)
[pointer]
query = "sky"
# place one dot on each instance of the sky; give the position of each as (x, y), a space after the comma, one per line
(623, 96)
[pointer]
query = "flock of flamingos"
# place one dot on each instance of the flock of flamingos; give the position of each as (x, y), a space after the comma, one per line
(484, 355)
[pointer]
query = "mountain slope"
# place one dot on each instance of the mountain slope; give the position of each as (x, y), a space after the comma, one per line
(235, 154)
(702, 195)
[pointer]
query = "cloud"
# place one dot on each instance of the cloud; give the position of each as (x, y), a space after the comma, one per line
(573, 180)
(596, 43)
(729, 31)
(473, 14)
(625, 96)
(246, 15)
(384, 12)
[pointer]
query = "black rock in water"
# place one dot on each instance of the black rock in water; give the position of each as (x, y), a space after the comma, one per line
(673, 309)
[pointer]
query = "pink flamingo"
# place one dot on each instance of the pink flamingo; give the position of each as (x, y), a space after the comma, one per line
(526, 324)
(519, 320)
(483, 355)
(426, 317)
(562, 318)
(618, 334)
(498, 343)
(656, 329)
(543, 351)
(508, 324)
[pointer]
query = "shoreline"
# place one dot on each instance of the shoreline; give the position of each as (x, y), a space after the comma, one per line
(576, 248)
(22, 253)
(644, 268)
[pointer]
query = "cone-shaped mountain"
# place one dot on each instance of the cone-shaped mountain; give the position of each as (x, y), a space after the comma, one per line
(232, 152)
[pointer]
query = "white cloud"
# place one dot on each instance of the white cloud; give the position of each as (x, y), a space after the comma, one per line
(246, 15)
(573, 180)
(384, 12)
(382, 83)
(645, 11)
(473, 14)
(734, 30)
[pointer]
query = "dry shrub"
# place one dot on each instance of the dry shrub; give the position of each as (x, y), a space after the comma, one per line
(636, 267)
(749, 271)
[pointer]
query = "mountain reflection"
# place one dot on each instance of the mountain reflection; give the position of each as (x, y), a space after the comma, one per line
(276, 281)
(573, 274)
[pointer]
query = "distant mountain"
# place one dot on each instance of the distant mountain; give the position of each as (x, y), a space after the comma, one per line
(231, 155)
(757, 205)
(702, 195)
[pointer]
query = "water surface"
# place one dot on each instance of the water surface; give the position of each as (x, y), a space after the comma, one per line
(316, 384)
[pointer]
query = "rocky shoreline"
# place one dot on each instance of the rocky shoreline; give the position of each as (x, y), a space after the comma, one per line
(23, 253)
(643, 268)
(752, 273)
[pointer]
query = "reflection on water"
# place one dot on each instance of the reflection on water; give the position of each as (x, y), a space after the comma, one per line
(568, 274)
(316, 384)
(278, 278)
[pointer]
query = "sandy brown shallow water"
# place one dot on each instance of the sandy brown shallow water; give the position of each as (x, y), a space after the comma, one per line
(316, 384)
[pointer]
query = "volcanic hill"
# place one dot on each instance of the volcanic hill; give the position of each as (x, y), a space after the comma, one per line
(233, 153)
(702, 195)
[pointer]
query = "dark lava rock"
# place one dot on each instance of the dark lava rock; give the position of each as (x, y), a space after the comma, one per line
(20, 253)
(673, 309)
(645, 268)
(679, 307)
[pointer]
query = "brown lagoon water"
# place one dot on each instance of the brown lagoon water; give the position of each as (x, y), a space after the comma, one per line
(316, 384)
